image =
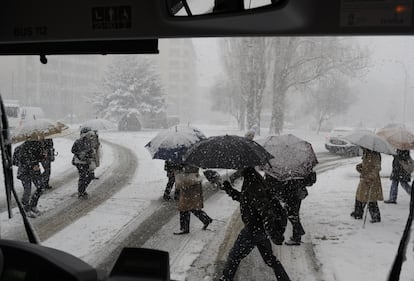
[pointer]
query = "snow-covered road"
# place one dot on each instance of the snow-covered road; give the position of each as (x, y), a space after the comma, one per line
(339, 248)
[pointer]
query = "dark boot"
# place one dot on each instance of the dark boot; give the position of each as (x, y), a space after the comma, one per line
(203, 217)
(358, 210)
(374, 212)
(184, 222)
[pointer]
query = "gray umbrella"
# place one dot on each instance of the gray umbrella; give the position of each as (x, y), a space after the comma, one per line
(371, 141)
(294, 157)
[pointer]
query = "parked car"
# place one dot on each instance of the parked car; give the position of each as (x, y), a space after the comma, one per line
(336, 143)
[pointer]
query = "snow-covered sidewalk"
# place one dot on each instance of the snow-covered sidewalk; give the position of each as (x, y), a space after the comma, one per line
(345, 249)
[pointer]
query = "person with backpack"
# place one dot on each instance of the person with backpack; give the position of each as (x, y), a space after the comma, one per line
(263, 217)
(28, 157)
(83, 158)
(291, 193)
(402, 167)
(96, 161)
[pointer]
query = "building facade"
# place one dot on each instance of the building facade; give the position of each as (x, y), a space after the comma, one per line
(178, 67)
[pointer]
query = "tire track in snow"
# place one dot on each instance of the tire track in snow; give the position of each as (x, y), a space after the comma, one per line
(123, 169)
(151, 225)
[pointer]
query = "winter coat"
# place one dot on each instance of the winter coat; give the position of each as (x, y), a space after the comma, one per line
(369, 187)
(171, 167)
(27, 157)
(48, 150)
(260, 212)
(287, 191)
(398, 173)
(188, 183)
(82, 150)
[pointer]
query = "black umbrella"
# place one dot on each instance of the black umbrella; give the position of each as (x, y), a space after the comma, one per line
(227, 152)
(295, 157)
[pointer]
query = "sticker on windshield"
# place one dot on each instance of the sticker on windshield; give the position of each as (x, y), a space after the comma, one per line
(114, 17)
(358, 13)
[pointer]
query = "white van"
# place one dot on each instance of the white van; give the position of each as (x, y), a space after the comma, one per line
(13, 112)
(17, 114)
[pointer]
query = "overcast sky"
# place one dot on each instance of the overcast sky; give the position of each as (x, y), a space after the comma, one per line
(380, 94)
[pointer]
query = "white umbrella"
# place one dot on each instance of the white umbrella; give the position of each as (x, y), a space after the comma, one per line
(371, 141)
(38, 129)
(171, 144)
(99, 124)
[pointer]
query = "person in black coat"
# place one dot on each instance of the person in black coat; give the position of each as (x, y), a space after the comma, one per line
(399, 175)
(262, 217)
(27, 157)
(48, 158)
(83, 151)
(171, 167)
(292, 192)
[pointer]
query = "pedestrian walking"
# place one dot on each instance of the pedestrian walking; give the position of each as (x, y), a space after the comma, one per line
(369, 189)
(291, 193)
(401, 174)
(171, 167)
(27, 157)
(83, 158)
(263, 216)
(188, 182)
(48, 158)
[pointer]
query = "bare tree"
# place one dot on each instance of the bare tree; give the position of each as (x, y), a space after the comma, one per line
(226, 98)
(299, 61)
(244, 61)
(327, 98)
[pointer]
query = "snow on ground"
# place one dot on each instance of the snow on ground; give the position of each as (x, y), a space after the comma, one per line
(344, 249)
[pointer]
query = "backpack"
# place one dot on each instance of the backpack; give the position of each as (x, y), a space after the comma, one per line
(407, 165)
(16, 155)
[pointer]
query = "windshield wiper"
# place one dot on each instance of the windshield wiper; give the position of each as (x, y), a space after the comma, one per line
(402, 249)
